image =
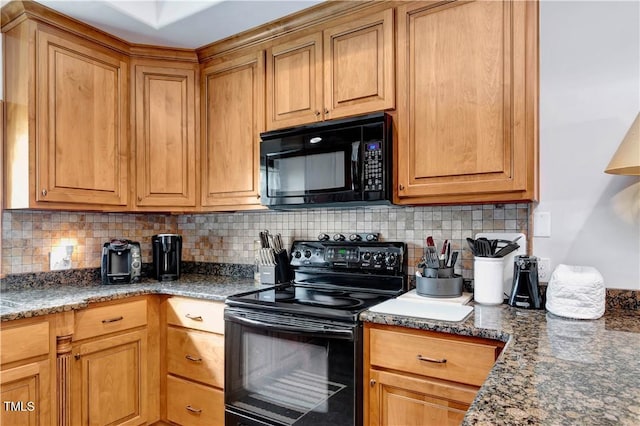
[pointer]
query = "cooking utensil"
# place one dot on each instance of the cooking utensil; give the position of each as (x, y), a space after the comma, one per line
(432, 260)
(506, 250)
(454, 258)
(443, 254)
(277, 239)
(472, 245)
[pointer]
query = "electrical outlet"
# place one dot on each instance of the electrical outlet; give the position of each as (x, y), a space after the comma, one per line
(544, 269)
(60, 258)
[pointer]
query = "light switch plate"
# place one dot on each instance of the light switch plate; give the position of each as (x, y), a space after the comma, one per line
(542, 224)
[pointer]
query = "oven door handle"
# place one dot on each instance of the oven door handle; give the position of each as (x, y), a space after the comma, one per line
(325, 332)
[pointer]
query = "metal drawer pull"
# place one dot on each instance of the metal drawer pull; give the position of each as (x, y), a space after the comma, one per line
(437, 361)
(191, 317)
(112, 320)
(194, 359)
(193, 410)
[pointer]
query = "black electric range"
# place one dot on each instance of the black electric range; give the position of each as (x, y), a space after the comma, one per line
(293, 352)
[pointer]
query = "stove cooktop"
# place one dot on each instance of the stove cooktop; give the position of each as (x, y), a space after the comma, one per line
(342, 304)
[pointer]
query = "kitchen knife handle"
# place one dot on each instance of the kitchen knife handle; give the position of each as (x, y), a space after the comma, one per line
(193, 317)
(427, 359)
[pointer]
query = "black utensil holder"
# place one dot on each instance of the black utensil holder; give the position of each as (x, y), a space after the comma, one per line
(284, 274)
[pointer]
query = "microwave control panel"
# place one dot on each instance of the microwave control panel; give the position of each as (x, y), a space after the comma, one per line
(373, 166)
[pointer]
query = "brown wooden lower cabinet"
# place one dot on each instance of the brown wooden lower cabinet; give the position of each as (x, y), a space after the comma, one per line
(194, 361)
(190, 403)
(109, 381)
(422, 378)
(27, 373)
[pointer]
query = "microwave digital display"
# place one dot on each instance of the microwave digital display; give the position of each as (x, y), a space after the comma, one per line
(373, 146)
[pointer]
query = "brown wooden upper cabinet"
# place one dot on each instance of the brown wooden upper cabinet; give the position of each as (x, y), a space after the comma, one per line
(467, 102)
(74, 154)
(165, 134)
(232, 119)
(347, 69)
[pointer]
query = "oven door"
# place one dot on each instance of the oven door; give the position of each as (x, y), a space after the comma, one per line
(282, 370)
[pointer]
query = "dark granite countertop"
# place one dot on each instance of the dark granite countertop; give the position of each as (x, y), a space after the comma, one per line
(33, 301)
(552, 371)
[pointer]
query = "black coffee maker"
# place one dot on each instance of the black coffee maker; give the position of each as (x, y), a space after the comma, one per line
(525, 292)
(167, 255)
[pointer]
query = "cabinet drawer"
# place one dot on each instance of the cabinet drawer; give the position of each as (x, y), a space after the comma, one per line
(24, 341)
(109, 319)
(193, 404)
(196, 355)
(202, 315)
(440, 357)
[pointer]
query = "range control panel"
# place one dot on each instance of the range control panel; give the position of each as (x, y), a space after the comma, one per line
(340, 255)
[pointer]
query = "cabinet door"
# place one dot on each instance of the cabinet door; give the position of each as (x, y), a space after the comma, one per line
(294, 82)
(165, 126)
(82, 121)
(398, 400)
(109, 381)
(467, 102)
(26, 395)
(233, 117)
(359, 66)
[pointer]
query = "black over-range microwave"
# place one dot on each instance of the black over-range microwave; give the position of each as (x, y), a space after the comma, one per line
(337, 163)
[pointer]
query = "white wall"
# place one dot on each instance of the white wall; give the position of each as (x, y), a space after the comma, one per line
(589, 96)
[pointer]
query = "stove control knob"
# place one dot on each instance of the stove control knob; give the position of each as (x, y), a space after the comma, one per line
(355, 237)
(297, 254)
(338, 237)
(391, 259)
(378, 257)
(372, 237)
(307, 253)
(366, 256)
(323, 237)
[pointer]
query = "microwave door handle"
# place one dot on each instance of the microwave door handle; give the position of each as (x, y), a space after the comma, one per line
(311, 331)
(356, 182)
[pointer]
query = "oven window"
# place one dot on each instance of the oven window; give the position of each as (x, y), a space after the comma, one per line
(288, 379)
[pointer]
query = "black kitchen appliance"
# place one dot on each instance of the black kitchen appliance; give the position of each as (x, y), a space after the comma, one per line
(121, 262)
(342, 162)
(525, 292)
(167, 256)
(293, 352)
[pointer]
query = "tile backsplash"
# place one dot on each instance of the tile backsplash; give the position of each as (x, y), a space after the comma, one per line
(28, 236)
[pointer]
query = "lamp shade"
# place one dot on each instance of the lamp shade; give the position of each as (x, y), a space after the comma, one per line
(626, 160)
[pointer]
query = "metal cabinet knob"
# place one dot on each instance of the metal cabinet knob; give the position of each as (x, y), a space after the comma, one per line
(326, 111)
(317, 113)
(401, 187)
(372, 383)
(44, 192)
